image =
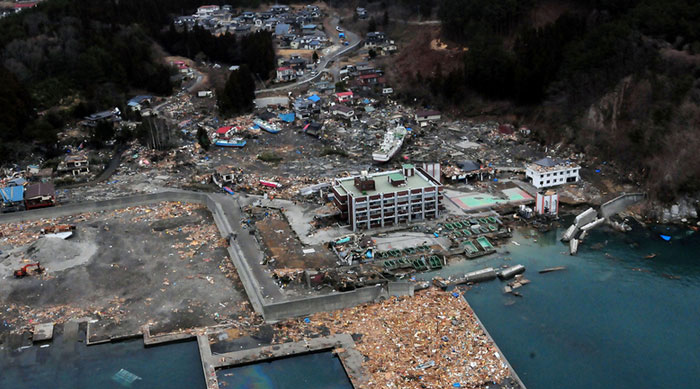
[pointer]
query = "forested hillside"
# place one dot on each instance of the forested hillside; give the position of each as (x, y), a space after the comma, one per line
(88, 55)
(620, 79)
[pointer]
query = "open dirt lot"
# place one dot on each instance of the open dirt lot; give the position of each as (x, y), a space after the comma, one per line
(163, 264)
(282, 244)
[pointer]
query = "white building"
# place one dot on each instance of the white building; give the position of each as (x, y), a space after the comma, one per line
(388, 198)
(207, 10)
(548, 172)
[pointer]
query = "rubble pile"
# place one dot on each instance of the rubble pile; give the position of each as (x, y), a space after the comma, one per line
(21, 318)
(20, 234)
(287, 275)
(197, 236)
(431, 340)
(160, 211)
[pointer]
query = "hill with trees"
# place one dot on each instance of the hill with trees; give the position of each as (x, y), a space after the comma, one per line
(89, 55)
(618, 79)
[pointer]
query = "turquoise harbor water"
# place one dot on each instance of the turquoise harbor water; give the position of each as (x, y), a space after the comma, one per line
(316, 370)
(612, 319)
(72, 365)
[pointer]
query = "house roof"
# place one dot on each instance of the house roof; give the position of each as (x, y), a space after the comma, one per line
(12, 194)
(25, 5)
(547, 162)
(17, 181)
(39, 189)
(469, 166)
(368, 76)
(75, 158)
(427, 112)
(341, 94)
(283, 68)
(139, 99)
(342, 108)
(314, 98)
(287, 117)
(224, 130)
(281, 28)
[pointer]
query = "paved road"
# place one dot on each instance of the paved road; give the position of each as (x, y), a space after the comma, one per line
(354, 42)
(250, 248)
(416, 22)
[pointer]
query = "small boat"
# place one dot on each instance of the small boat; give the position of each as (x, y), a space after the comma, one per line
(420, 265)
(270, 184)
(650, 256)
(267, 126)
(233, 142)
(551, 269)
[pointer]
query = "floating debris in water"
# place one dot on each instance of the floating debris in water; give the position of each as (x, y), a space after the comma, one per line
(125, 378)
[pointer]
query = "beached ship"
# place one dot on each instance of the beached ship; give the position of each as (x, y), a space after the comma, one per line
(391, 144)
(225, 137)
(267, 126)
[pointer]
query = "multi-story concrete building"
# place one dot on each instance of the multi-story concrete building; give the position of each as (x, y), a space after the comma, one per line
(548, 172)
(388, 198)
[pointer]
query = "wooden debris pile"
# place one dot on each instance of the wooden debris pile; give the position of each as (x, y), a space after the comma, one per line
(431, 340)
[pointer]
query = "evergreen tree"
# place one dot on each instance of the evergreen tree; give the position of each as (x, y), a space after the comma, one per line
(203, 138)
(372, 25)
(238, 93)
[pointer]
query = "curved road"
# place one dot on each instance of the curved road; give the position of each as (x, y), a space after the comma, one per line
(353, 40)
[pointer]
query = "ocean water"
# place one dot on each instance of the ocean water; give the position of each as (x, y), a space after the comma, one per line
(321, 370)
(612, 319)
(73, 365)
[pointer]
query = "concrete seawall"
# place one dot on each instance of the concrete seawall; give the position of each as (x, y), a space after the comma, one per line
(271, 311)
(620, 203)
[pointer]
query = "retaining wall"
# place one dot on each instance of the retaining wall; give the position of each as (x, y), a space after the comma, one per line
(270, 311)
(329, 302)
(620, 203)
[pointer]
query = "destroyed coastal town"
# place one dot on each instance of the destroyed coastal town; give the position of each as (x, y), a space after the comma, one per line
(290, 215)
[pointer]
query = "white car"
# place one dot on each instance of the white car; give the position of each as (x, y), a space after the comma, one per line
(338, 28)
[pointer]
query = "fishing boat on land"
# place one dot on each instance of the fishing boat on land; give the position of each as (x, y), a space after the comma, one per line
(391, 144)
(226, 137)
(267, 126)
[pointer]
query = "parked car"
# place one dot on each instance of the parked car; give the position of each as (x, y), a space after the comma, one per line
(338, 28)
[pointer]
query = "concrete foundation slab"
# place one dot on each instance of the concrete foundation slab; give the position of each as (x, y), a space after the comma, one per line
(43, 332)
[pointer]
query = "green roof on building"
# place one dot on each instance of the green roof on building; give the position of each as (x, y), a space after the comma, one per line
(382, 184)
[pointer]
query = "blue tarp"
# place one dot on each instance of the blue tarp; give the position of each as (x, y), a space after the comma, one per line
(314, 98)
(287, 117)
(12, 194)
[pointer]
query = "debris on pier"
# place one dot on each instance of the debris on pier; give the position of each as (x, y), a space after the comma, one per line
(430, 340)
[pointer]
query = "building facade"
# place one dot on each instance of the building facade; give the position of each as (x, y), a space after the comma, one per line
(388, 198)
(547, 203)
(548, 172)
